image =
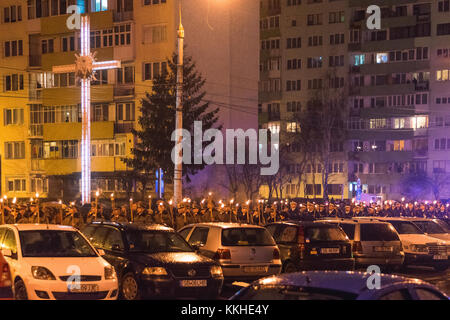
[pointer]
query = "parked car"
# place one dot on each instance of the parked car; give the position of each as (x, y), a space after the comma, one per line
(445, 224)
(432, 228)
(155, 262)
(337, 285)
(245, 252)
(373, 242)
(312, 246)
(6, 292)
(50, 262)
(420, 249)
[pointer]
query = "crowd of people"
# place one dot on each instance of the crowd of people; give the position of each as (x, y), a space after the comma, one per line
(188, 211)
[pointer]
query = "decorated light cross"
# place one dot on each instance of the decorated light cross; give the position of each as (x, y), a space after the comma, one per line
(84, 68)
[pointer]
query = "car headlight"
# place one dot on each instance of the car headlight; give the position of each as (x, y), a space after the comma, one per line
(42, 273)
(216, 272)
(419, 248)
(154, 271)
(110, 273)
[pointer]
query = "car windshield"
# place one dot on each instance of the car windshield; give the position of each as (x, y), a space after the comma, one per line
(378, 232)
(430, 227)
(325, 233)
(443, 225)
(156, 242)
(280, 292)
(246, 237)
(405, 227)
(54, 243)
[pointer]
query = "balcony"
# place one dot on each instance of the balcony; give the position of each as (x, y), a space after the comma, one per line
(269, 96)
(34, 60)
(123, 16)
(381, 156)
(389, 89)
(37, 165)
(35, 131)
(274, 116)
(124, 90)
(123, 127)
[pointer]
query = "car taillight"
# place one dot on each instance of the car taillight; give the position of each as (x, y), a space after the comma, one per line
(301, 249)
(301, 235)
(222, 254)
(6, 276)
(276, 254)
(301, 242)
(357, 247)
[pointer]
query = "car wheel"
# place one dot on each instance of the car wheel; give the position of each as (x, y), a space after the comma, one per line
(441, 268)
(129, 287)
(20, 291)
(289, 268)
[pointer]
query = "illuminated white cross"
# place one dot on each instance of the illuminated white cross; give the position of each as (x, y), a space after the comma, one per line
(84, 67)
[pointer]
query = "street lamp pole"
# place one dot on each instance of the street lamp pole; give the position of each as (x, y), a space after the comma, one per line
(178, 172)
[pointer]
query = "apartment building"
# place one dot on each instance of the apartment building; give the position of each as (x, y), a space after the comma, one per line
(396, 80)
(399, 122)
(302, 43)
(40, 118)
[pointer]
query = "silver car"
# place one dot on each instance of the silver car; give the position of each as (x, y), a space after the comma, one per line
(374, 242)
(245, 252)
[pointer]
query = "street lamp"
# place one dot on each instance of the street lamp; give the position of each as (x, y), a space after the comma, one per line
(112, 201)
(37, 207)
(178, 172)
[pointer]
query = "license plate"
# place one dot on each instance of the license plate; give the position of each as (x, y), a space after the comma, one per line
(255, 269)
(440, 257)
(329, 251)
(83, 288)
(384, 249)
(193, 283)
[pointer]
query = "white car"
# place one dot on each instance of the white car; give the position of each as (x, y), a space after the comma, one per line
(420, 249)
(50, 262)
(432, 227)
(245, 252)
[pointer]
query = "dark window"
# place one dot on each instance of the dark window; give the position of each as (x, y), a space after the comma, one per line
(325, 233)
(246, 237)
(377, 232)
(199, 237)
(114, 240)
(349, 230)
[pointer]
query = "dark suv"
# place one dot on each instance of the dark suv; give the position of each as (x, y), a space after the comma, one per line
(312, 246)
(155, 262)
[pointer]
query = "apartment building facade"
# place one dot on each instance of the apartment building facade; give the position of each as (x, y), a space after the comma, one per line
(40, 118)
(302, 43)
(396, 80)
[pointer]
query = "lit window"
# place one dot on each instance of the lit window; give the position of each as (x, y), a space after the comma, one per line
(101, 5)
(382, 58)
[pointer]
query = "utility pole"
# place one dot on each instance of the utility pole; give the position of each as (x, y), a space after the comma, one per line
(178, 173)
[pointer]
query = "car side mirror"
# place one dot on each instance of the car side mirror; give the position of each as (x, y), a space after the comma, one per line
(7, 253)
(196, 247)
(101, 252)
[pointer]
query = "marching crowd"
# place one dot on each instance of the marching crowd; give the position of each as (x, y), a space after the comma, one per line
(188, 212)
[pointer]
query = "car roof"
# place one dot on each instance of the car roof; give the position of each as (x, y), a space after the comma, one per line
(224, 225)
(346, 281)
(303, 223)
(356, 220)
(35, 226)
(133, 226)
